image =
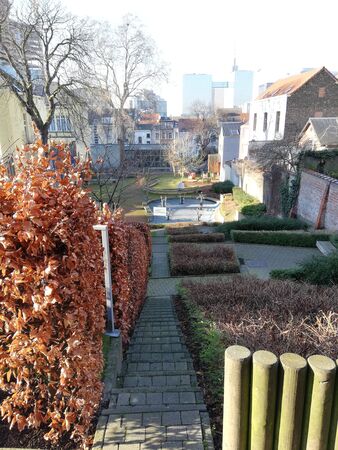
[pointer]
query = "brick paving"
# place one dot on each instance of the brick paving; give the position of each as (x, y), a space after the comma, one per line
(159, 405)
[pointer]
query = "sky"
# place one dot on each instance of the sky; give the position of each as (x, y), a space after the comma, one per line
(272, 38)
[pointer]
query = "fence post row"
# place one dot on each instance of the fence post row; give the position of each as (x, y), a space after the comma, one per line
(290, 404)
(111, 331)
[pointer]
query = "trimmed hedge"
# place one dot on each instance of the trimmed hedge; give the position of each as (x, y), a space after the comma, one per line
(256, 210)
(224, 187)
(334, 240)
(189, 259)
(242, 198)
(182, 230)
(294, 239)
(319, 270)
(202, 237)
(262, 223)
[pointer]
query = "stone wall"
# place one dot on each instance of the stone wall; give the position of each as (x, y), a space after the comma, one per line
(313, 194)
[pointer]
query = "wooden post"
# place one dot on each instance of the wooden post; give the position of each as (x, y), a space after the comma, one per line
(291, 402)
(333, 439)
(236, 397)
(263, 400)
(321, 380)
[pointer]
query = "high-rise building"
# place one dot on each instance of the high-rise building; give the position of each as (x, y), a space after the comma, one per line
(240, 87)
(197, 87)
(219, 94)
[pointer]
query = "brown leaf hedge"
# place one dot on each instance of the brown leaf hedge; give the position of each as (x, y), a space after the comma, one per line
(52, 298)
(202, 259)
(52, 302)
(279, 316)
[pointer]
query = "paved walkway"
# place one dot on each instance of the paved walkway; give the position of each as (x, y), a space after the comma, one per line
(159, 405)
(260, 259)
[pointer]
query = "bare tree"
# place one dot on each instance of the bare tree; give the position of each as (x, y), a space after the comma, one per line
(127, 61)
(183, 156)
(276, 153)
(46, 57)
(206, 128)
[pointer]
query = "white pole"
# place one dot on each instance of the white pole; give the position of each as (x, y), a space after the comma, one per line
(107, 279)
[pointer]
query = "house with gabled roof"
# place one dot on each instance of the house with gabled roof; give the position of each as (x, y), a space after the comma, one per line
(319, 133)
(283, 109)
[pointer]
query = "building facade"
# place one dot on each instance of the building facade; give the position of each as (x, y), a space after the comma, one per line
(197, 87)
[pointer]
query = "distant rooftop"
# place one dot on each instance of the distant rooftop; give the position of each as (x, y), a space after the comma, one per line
(326, 129)
(290, 84)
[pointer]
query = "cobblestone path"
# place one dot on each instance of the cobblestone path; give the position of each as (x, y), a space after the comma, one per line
(159, 405)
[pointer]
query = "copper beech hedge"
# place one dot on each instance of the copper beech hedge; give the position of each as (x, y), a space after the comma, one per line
(52, 300)
(130, 245)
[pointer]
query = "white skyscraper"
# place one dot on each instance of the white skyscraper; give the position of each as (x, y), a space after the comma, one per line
(197, 87)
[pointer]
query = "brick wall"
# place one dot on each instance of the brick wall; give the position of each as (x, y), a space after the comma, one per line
(312, 189)
(305, 102)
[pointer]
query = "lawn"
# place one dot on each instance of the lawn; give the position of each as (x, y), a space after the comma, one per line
(132, 194)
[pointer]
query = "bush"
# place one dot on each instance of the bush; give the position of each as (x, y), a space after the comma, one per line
(224, 187)
(130, 259)
(334, 240)
(202, 237)
(320, 270)
(182, 230)
(242, 198)
(262, 223)
(188, 259)
(52, 310)
(273, 315)
(294, 239)
(254, 210)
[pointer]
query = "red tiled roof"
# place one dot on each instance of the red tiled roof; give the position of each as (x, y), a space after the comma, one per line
(290, 84)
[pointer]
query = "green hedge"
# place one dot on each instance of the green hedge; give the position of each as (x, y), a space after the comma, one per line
(262, 223)
(254, 210)
(334, 240)
(320, 270)
(242, 198)
(223, 187)
(294, 239)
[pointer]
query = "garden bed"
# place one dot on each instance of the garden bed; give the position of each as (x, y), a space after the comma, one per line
(285, 238)
(273, 315)
(197, 237)
(199, 259)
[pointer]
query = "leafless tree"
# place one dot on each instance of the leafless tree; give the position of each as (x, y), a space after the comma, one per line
(276, 153)
(45, 53)
(183, 156)
(206, 128)
(127, 61)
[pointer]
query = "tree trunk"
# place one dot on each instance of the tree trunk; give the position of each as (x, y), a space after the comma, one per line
(44, 132)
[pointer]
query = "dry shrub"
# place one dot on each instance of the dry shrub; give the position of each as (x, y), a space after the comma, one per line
(52, 304)
(201, 237)
(190, 259)
(273, 315)
(173, 231)
(130, 245)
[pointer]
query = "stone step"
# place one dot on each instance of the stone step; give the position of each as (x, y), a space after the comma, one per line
(155, 398)
(153, 408)
(166, 367)
(154, 389)
(156, 340)
(153, 334)
(150, 373)
(159, 380)
(158, 357)
(156, 348)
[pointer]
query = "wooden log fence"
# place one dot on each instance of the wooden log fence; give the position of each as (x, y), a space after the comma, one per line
(288, 403)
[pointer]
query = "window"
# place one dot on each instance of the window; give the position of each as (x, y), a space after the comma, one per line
(148, 142)
(321, 92)
(140, 139)
(96, 136)
(170, 136)
(60, 123)
(157, 135)
(148, 135)
(163, 136)
(265, 121)
(277, 121)
(255, 122)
